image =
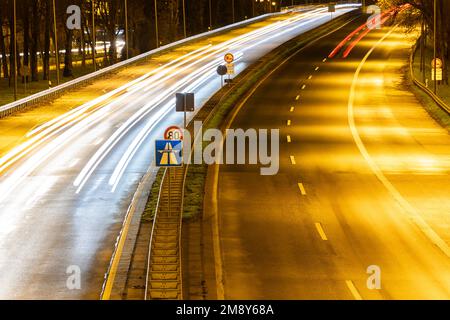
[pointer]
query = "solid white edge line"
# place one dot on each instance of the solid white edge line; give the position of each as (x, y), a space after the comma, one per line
(410, 210)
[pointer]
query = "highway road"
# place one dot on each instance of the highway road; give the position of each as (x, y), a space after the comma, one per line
(364, 181)
(65, 190)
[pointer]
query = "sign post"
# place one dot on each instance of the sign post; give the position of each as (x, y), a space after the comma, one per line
(229, 59)
(331, 9)
(221, 71)
(185, 102)
(168, 154)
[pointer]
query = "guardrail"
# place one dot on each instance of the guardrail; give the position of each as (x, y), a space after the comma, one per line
(441, 103)
(21, 104)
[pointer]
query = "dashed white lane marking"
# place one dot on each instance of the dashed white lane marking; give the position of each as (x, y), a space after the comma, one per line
(324, 60)
(322, 234)
(293, 160)
(353, 290)
(310, 77)
(289, 140)
(289, 122)
(297, 98)
(317, 68)
(292, 109)
(302, 189)
(303, 87)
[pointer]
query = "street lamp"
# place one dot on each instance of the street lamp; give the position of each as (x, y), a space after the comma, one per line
(210, 15)
(56, 43)
(156, 24)
(434, 47)
(94, 40)
(15, 51)
(126, 28)
(184, 19)
(232, 8)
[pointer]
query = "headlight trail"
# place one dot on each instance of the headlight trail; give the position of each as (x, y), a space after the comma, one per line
(45, 140)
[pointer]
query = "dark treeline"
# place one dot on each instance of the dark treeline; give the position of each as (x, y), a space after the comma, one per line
(36, 36)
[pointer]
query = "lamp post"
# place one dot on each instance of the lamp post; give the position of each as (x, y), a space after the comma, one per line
(434, 47)
(156, 24)
(56, 43)
(94, 40)
(232, 8)
(210, 14)
(184, 19)
(126, 29)
(15, 51)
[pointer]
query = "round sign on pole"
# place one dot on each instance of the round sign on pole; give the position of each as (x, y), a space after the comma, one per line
(436, 63)
(229, 58)
(173, 133)
(222, 70)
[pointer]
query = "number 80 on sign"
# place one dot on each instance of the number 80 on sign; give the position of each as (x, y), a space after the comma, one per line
(173, 133)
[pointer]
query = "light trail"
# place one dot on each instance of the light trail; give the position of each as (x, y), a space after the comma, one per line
(101, 154)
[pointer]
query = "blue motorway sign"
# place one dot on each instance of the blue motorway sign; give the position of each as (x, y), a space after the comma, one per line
(169, 153)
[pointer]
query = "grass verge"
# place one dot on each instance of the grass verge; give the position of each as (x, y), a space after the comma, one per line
(150, 208)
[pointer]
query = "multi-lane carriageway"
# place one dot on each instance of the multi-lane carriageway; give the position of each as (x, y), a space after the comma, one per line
(64, 191)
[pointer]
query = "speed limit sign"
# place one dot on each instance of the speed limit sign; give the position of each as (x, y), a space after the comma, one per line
(229, 58)
(173, 133)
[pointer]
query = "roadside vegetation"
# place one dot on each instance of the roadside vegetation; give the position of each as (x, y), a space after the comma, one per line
(420, 17)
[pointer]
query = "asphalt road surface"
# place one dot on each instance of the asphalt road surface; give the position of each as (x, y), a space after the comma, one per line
(364, 182)
(65, 190)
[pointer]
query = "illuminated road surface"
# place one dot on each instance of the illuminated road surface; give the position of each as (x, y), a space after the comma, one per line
(65, 190)
(360, 184)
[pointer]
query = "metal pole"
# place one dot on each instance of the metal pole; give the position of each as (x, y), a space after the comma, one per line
(56, 43)
(126, 28)
(232, 8)
(94, 40)
(434, 49)
(156, 24)
(15, 51)
(184, 19)
(210, 14)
